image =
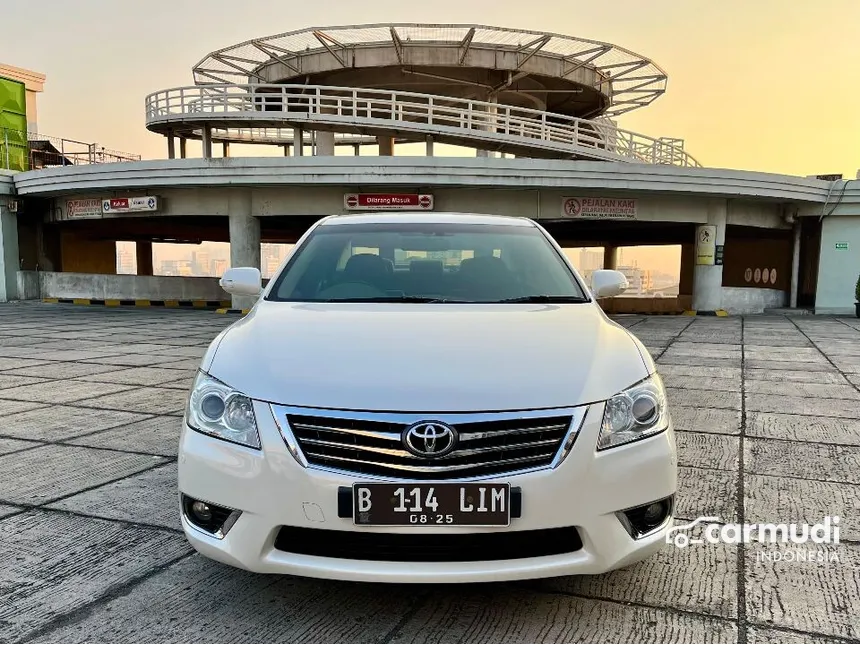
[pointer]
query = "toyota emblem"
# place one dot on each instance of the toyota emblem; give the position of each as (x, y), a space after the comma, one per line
(429, 439)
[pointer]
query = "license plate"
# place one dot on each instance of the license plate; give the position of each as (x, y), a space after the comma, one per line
(431, 504)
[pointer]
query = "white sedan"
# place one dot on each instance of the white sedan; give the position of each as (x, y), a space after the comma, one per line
(427, 398)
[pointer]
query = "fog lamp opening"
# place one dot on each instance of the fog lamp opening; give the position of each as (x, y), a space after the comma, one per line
(643, 520)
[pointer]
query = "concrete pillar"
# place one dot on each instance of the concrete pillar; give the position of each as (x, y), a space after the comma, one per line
(171, 146)
(488, 127)
(182, 147)
(386, 146)
(356, 149)
(610, 257)
(325, 144)
(207, 142)
(429, 143)
(795, 264)
(225, 149)
(286, 150)
(244, 239)
(707, 278)
(299, 141)
(9, 258)
(144, 258)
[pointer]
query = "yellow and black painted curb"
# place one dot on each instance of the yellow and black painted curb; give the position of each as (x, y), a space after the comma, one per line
(170, 304)
(232, 311)
(722, 313)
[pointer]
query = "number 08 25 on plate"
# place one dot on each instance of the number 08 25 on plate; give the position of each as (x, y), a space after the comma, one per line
(436, 504)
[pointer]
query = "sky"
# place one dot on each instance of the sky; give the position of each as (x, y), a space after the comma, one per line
(765, 85)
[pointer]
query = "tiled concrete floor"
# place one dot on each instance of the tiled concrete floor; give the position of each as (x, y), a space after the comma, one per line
(768, 417)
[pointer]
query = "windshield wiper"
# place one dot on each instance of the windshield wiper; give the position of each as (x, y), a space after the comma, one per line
(545, 298)
(425, 299)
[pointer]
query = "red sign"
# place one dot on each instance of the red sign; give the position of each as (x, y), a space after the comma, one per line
(387, 202)
(119, 203)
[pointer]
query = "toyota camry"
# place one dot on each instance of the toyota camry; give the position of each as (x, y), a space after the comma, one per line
(426, 397)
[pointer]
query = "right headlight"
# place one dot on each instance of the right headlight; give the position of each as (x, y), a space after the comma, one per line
(218, 410)
(635, 413)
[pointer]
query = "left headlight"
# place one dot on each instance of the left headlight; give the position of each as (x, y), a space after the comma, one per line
(636, 413)
(218, 410)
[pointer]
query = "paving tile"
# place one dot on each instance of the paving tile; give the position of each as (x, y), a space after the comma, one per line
(184, 383)
(705, 419)
(8, 407)
(785, 499)
(49, 472)
(5, 511)
(136, 360)
(58, 370)
(705, 350)
(153, 436)
(64, 392)
(830, 463)
(795, 354)
(701, 578)
(17, 363)
(809, 406)
(799, 376)
(702, 383)
(198, 600)
(134, 376)
(795, 389)
(676, 359)
(701, 371)
(779, 592)
(498, 614)
(148, 400)
(757, 634)
(704, 450)
(149, 498)
(797, 427)
(703, 398)
(796, 366)
(13, 380)
(66, 562)
(61, 422)
(704, 492)
(14, 445)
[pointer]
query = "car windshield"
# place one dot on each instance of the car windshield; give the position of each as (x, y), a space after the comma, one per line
(436, 262)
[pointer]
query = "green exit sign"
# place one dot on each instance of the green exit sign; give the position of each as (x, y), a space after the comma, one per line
(842, 246)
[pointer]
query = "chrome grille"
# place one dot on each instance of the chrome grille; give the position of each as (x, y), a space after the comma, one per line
(368, 446)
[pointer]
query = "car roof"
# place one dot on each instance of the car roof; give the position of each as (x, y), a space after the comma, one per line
(411, 217)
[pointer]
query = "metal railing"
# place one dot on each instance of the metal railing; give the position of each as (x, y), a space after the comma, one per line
(21, 150)
(356, 110)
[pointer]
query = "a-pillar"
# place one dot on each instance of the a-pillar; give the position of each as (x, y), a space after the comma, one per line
(795, 265)
(708, 278)
(144, 257)
(244, 239)
(610, 257)
(207, 141)
(386, 146)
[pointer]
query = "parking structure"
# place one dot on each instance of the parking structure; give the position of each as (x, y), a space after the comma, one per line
(90, 547)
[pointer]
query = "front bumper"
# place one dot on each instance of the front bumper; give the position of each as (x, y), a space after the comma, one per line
(272, 491)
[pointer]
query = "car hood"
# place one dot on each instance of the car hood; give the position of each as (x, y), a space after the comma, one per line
(426, 357)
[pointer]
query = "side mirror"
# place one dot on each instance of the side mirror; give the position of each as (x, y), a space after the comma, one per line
(242, 281)
(606, 283)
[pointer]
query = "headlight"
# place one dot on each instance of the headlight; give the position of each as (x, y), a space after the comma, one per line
(218, 410)
(635, 413)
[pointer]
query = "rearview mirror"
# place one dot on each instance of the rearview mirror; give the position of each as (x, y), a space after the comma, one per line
(606, 283)
(242, 281)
